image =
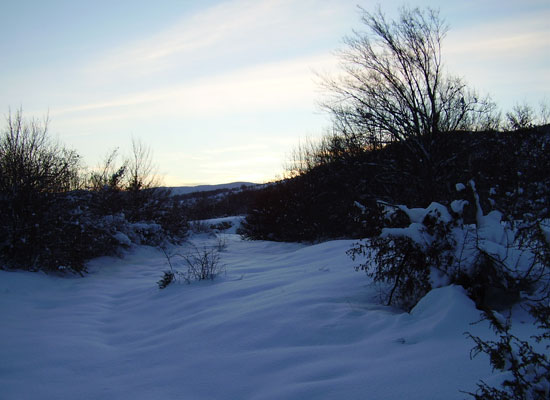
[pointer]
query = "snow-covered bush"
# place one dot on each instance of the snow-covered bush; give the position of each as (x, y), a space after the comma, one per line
(526, 371)
(413, 259)
(75, 230)
(493, 259)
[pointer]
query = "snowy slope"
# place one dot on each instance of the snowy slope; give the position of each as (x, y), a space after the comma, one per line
(286, 321)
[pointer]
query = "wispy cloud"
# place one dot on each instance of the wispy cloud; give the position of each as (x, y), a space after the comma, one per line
(237, 56)
(515, 36)
(236, 149)
(271, 86)
(232, 29)
(507, 58)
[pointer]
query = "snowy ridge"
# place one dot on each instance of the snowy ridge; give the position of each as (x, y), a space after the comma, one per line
(286, 321)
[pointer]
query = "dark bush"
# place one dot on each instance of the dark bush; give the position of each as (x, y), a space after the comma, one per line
(48, 222)
(34, 174)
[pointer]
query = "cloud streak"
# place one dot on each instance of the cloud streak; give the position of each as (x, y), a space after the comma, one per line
(511, 37)
(508, 58)
(271, 86)
(229, 31)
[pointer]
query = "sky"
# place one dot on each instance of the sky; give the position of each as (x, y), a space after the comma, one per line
(223, 90)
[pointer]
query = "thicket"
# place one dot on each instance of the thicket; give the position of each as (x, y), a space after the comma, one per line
(320, 203)
(54, 216)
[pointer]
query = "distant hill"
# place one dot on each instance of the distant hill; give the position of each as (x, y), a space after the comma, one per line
(215, 201)
(181, 190)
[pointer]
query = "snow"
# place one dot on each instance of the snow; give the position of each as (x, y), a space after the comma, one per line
(460, 187)
(416, 231)
(122, 239)
(458, 206)
(286, 321)
(417, 215)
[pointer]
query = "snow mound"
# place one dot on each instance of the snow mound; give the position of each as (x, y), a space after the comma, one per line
(445, 311)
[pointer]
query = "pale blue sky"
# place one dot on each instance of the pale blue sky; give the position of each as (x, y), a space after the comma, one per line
(223, 90)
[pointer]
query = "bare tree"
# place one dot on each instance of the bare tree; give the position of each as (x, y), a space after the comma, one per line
(544, 109)
(135, 173)
(312, 153)
(522, 116)
(394, 86)
(30, 160)
(144, 197)
(108, 175)
(141, 172)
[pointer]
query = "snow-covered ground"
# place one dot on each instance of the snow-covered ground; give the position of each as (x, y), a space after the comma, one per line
(285, 321)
